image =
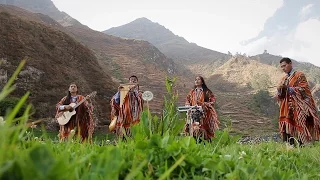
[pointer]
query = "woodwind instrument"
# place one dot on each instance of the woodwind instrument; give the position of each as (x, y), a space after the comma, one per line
(124, 89)
(284, 89)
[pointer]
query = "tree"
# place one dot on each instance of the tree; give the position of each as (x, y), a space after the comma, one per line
(260, 81)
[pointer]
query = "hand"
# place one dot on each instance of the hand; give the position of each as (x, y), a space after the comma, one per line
(88, 97)
(291, 90)
(281, 86)
(209, 103)
(68, 107)
(199, 103)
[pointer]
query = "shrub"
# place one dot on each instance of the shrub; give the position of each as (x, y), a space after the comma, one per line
(265, 104)
(8, 104)
(260, 81)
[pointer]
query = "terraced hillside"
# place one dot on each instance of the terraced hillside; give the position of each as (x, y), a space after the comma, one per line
(127, 57)
(235, 84)
(121, 58)
(54, 61)
(235, 107)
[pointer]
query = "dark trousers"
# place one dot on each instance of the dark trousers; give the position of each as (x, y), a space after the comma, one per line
(288, 138)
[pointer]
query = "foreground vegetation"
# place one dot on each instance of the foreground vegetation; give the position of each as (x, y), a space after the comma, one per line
(156, 152)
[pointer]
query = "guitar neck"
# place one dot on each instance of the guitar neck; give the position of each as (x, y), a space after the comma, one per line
(82, 101)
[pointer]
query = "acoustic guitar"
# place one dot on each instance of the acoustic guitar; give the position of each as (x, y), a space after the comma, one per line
(65, 117)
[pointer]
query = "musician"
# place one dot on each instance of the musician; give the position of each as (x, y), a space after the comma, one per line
(82, 122)
(298, 114)
(200, 95)
(129, 113)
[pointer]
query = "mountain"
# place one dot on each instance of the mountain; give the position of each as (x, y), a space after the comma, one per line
(244, 88)
(243, 84)
(244, 71)
(44, 7)
(125, 57)
(171, 45)
(121, 58)
(312, 71)
(54, 61)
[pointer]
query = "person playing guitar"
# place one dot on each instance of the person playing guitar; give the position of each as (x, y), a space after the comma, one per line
(74, 114)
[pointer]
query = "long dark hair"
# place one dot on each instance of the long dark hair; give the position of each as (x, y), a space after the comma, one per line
(68, 98)
(205, 88)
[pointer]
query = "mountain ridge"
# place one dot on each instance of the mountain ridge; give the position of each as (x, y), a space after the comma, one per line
(173, 46)
(122, 58)
(54, 61)
(46, 7)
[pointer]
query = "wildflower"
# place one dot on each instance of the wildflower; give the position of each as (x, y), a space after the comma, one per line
(1, 121)
(227, 156)
(33, 125)
(289, 146)
(242, 154)
(72, 133)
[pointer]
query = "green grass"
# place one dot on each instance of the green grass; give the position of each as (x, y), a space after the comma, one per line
(159, 154)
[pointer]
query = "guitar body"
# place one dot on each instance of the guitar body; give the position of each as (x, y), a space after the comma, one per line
(65, 117)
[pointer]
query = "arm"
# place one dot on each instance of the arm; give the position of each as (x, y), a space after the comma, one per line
(115, 108)
(116, 98)
(300, 86)
(88, 103)
(281, 87)
(60, 106)
(188, 99)
(212, 98)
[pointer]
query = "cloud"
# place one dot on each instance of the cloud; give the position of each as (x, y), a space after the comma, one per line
(305, 11)
(292, 32)
(301, 43)
(308, 33)
(283, 27)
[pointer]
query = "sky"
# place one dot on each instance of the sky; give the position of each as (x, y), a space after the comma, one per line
(282, 27)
